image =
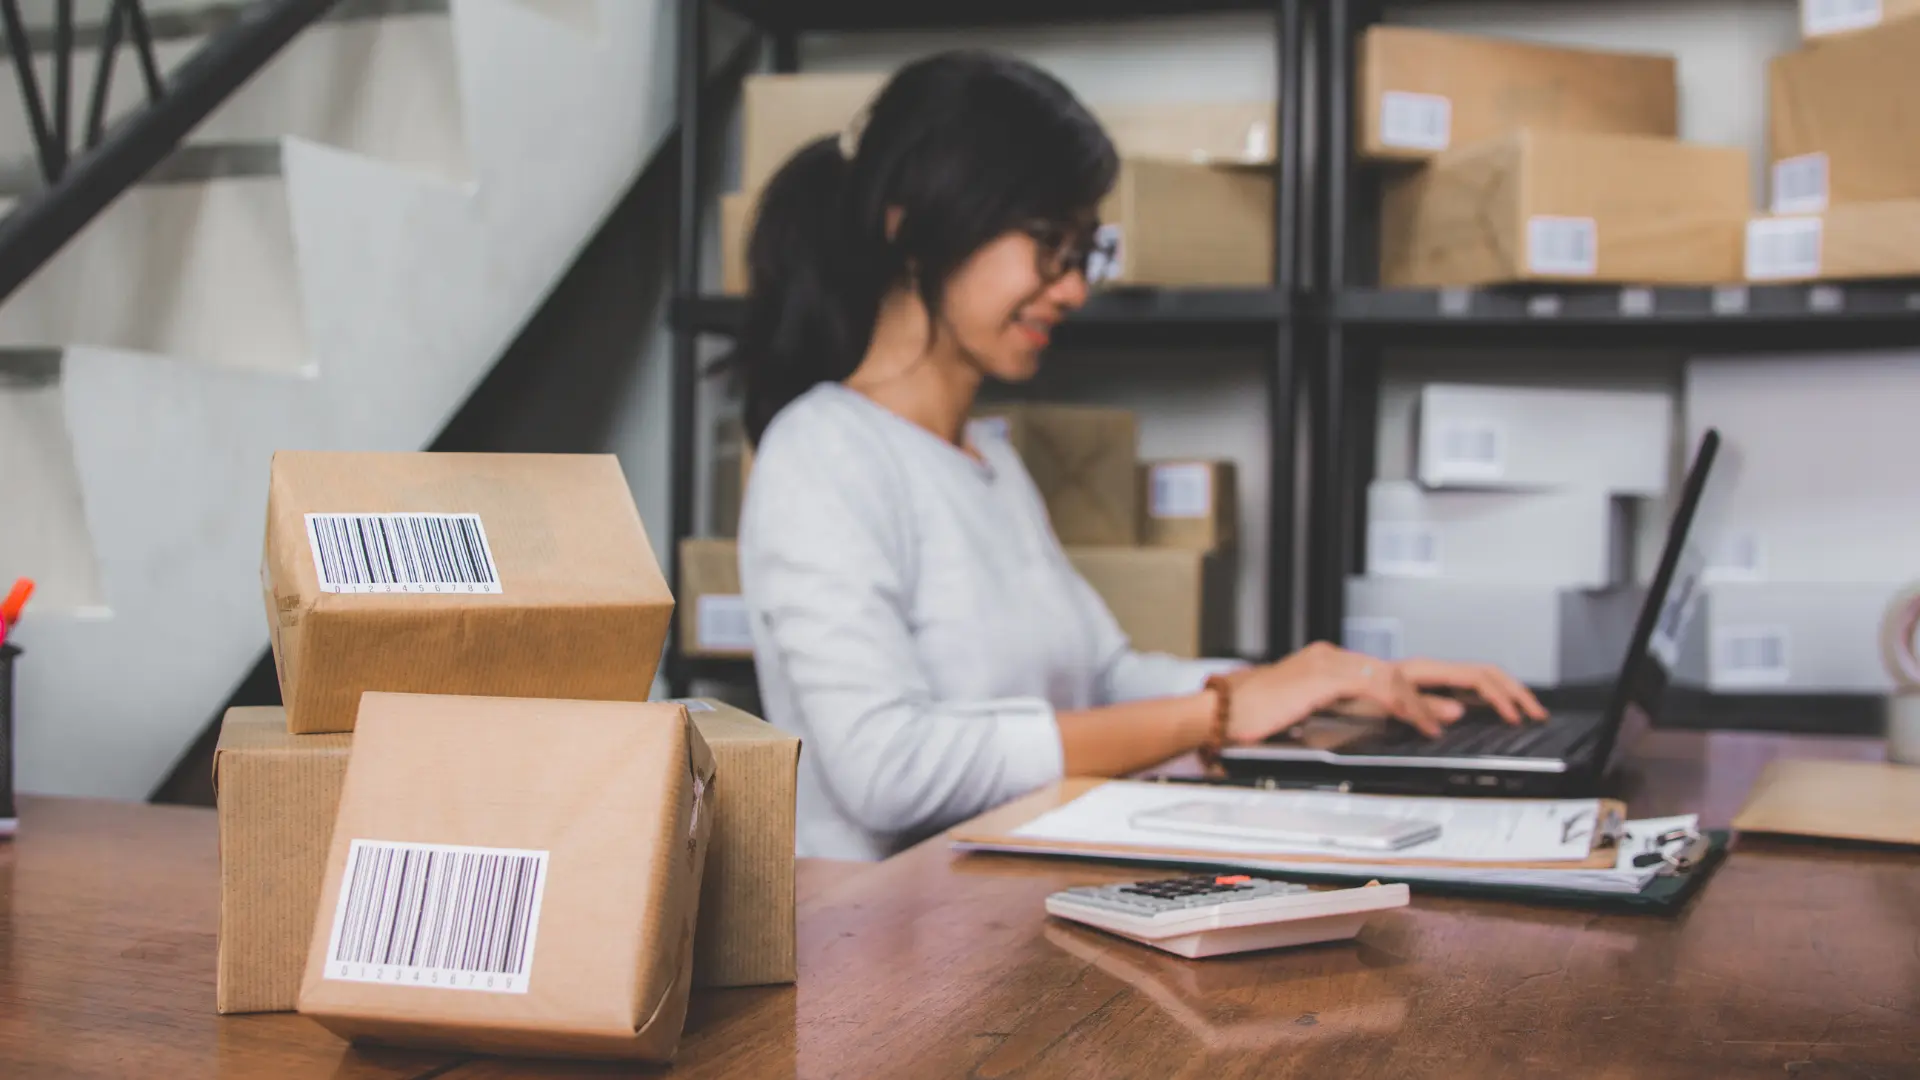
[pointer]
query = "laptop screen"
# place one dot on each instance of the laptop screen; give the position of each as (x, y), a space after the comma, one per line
(1661, 647)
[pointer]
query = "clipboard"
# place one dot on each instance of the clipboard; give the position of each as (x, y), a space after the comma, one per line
(995, 830)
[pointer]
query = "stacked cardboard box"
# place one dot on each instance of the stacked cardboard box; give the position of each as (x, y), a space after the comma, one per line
(1157, 540)
(1845, 152)
(1193, 204)
(465, 644)
(1514, 542)
(1538, 163)
(1814, 519)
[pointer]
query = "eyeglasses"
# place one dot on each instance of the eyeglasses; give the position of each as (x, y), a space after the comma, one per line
(1092, 250)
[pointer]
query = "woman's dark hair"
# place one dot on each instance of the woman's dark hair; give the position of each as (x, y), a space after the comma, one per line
(967, 145)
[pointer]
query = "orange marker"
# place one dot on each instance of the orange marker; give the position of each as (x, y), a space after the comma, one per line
(15, 603)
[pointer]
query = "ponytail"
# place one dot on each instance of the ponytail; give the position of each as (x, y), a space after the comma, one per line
(802, 327)
(957, 149)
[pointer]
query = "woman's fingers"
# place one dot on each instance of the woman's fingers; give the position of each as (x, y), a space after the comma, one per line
(1502, 692)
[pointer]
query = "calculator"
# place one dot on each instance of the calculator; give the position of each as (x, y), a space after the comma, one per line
(1214, 915)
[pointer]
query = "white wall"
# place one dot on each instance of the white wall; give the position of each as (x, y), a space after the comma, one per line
(1214, 405)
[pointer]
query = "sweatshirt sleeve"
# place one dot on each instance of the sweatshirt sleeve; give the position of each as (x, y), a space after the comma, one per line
(826, 559)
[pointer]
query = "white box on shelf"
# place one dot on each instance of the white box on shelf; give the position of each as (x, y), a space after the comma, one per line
(1616, 441)
(1787, 637)
(1543, 635)
(1575, 538)
(1811, 486)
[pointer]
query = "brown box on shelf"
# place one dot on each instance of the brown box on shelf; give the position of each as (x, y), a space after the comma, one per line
(1081, 459)
(1180, 223)
(1549, 206)
(1849, 241)
(524, 575)
(276, 793)
(746, 934)
(736, 223)
(1189, 504)
(1420, 92)
(1824, 19)
(731, 459)
(1168, 600)
(576, 831)
(1841, 126)
(713, 614)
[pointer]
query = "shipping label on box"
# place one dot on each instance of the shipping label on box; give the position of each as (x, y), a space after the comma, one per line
(1082, 460)
(1420, 92)
(1189, 504)
(1541, 206)
(1841, 127)
(1178, 223)
(508, 574)
(1167, 600)
(514, 876)
(1828, 18)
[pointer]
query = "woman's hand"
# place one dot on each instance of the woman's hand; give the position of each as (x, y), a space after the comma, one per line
(1270, 699)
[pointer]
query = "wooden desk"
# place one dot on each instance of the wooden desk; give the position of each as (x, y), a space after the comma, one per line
(1796, 960)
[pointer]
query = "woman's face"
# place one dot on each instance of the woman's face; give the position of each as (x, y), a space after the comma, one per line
(1003, 303)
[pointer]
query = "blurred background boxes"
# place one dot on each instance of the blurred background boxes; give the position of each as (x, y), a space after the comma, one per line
(1168, 600)
(1573, 538)
(1420, 91)
(1189, 504)
(1841, 123)
(1613, 441)
(1556, 206)
(1850, 241)
(1540, 634)
(1082, 460)
(1829, 18)
(1794, 638)
(713, 614)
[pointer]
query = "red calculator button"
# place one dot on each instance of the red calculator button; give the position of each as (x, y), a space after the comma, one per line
(1235, 879)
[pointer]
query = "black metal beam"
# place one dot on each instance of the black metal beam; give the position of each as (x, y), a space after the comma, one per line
(683, 422)
(1283, 375)
(800, 15)
(43, 224)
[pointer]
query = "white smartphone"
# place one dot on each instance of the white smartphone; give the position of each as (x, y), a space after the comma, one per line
(1284, 825)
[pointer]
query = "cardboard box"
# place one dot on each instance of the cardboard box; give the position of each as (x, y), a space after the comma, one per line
(1840, 123)
(1542, 206)
(1420, 92)
(1829, 18)
(1573, 538)
(1776, 637)
(1168, 600)
(538, 581)
(592, 819)
(783, 113)
(736, 225)
(276, 793)
(1081, 458)
(1543, 635)
(713, 614)
(1189, 504)
(1177, 223)
(746, 934)
(1496, 437)
(1849, 241)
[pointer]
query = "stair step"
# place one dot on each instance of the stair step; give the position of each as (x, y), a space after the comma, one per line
(384, 83)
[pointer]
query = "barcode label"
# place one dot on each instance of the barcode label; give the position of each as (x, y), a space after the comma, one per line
(1782, 248)
(1750, 656)
(1563, 246)
(721, 623)
(1738, 557)
(1800, 184)
(437, 915)
(1469, 451)
(1257, 146)
(1183, 490)
(1819, 17)
(1106, 262)
(1372, 635)
(1415, 121)
(1402, 549)
(402, 553)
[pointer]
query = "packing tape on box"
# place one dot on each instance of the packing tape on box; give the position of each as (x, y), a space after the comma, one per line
(1897, 628)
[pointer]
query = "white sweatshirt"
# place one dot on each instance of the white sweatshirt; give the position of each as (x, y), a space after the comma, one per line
(917, 624)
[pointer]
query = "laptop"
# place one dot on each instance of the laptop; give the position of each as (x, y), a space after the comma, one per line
(1481, 754)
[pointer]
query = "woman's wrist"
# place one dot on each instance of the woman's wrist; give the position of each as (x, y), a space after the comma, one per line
(1198, 714)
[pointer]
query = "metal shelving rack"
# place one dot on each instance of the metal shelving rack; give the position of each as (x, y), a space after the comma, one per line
(1356, 321)
(1201, 318)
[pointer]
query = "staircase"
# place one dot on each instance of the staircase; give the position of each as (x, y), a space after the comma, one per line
(333, 260)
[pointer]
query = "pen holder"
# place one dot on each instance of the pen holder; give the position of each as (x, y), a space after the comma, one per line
(7, 813)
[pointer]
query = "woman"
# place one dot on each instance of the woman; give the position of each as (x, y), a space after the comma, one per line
(914, 618)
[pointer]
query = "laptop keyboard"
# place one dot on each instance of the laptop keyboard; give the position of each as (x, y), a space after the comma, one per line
(1482, 733)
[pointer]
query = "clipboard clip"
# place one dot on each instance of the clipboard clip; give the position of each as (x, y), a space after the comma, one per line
(1693, 847)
